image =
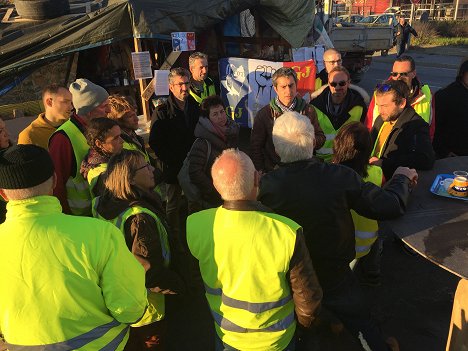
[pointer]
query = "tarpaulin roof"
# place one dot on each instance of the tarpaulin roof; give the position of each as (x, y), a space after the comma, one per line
(24, 44)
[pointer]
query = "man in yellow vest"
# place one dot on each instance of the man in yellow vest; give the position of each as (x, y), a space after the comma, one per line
(399, 135)
(57, 102)
(254, 264)
(336, 106)
(320, 195)
(68, 146)
(68, 282)
(420, 98)
(201, 85)
(331, 59)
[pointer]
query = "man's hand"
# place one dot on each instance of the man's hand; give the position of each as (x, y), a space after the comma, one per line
(410, 173)
(375, 161)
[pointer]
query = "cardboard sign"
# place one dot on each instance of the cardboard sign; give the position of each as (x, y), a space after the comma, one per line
(183, 41)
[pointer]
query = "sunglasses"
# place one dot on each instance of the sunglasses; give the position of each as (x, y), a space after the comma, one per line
(403, 74)
(341, 83)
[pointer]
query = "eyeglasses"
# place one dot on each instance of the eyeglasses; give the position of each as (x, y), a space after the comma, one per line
(336, 62)
(403, 74)
(147, 165)
(340, 83)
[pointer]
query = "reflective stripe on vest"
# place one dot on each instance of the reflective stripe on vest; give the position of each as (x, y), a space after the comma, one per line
(132, 146)
(208, 90)
(78, 194)
(156, 301)
(326, 151)
(366, 229)
(250, 300)
(81, 340)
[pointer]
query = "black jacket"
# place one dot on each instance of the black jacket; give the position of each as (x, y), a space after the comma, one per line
(319, 196)
(451, 110)
(404, 32)
(352, 99)
(201, 175)
(171, 135)
(407, 145)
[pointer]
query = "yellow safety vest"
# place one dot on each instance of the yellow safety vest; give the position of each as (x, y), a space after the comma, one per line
(208, 90)
(64, 305)
(133, 147)
(326, 151)
(93, 176)
(244, 258)
(78, 194)
(156, 301)
(366, 229)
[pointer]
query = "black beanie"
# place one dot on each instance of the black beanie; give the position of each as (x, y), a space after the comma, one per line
(24, 166)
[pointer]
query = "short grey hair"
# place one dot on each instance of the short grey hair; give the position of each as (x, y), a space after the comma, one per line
(284, 72)
(236, 181)
(196, 56)
(44, 188)
(293, 137)
(177, 72)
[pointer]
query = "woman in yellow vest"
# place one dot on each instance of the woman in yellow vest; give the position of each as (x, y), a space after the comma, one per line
(103, 138)
(352, 147)
(131, 204)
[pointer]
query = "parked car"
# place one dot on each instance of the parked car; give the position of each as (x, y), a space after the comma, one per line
(349, 18)
(386, 19)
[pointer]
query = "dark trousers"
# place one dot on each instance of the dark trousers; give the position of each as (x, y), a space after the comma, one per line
(401, 47)
(147, 337)
(347, 302)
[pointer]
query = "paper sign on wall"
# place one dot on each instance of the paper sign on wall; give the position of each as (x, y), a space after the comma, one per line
(183, 41)
(161, 84)
(142, 65)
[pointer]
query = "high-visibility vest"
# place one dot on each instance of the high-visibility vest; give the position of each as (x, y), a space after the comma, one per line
(208, 90)
(244, 258)
(93, 176)
(73, 254)
(326, 151)
(78, 194)
(131, 146)
(366, 229)
(156, 301)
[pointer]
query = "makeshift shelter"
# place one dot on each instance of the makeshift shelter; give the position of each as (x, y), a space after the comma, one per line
(25, 46)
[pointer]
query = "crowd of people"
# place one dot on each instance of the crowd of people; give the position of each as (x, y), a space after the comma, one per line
(279, 241)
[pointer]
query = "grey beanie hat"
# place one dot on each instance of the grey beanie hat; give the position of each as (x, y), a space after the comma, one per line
(86, 96)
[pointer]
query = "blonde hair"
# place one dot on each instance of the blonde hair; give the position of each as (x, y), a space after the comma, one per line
(120, 172)
(119, 105)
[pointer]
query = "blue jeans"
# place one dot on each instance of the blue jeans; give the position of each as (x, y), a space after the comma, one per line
(347, 302)
(221, 346)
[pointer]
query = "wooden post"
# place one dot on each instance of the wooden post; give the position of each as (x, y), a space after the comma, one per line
(143, 84)
(455, 15)
(411, 14)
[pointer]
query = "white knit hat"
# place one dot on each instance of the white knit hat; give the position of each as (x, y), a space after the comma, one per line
(87, 96)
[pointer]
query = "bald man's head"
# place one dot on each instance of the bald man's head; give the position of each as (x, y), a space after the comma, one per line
(234, 176)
